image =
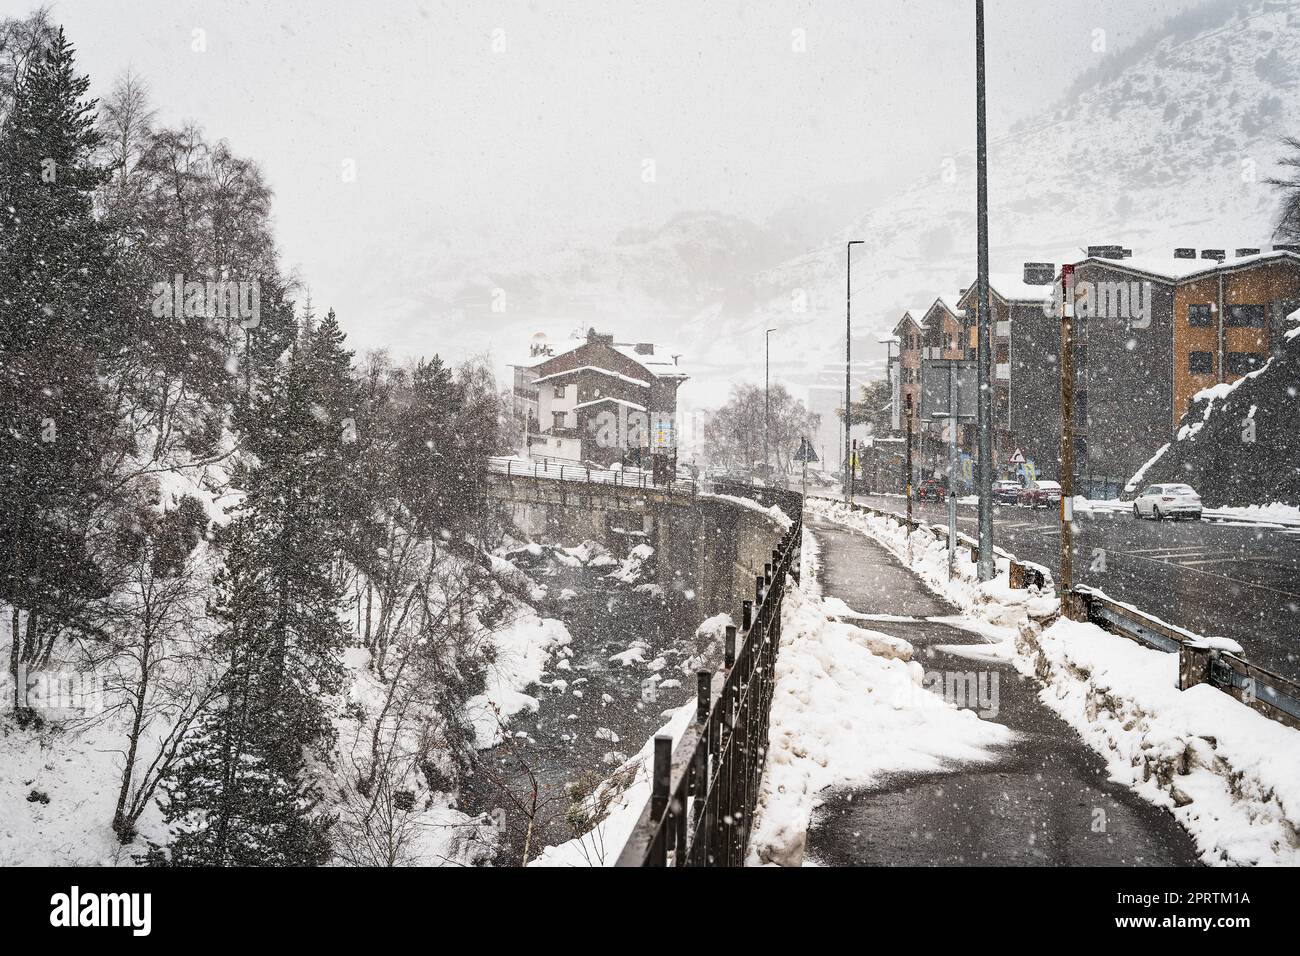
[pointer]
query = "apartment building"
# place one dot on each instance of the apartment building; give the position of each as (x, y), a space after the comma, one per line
(605, 402)
(1229, 318)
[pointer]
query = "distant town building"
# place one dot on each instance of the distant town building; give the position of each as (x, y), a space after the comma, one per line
(605, 402)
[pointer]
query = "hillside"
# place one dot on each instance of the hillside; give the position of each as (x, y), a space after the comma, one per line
(1228, 441)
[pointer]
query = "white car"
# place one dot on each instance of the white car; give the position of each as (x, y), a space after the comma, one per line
(1167, 501)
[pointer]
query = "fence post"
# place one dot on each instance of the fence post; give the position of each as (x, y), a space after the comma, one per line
(662, 770)
(703, 695)
(1074, 605)
(729, 651)
(746, 615)
(758, 590)
(1194, 659)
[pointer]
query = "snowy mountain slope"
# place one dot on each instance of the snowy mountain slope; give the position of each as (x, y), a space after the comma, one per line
(1228, 442)
(1167, 143)
(1172, 151)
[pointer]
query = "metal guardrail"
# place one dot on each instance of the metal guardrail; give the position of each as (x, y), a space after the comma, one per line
(704, 790)
(1199, 661)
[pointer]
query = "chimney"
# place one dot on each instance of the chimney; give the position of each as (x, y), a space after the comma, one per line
(645, 348)
(1247, 252)
(1184, 252)
(1106, 252)
(595, 338)
(1217, 254)
(1286, 247)
(1040, 273)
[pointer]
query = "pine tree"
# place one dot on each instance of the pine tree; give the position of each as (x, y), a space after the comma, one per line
(60, 334)
(241, 793)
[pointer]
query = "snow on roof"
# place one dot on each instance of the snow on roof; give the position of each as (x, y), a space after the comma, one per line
(617, 401)
(660, 362)
(1181, 270)
(1012, 287)
(593, 368)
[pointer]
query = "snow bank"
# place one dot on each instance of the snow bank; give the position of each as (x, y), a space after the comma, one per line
(523, 648)
(1229, 775)
(848, 708)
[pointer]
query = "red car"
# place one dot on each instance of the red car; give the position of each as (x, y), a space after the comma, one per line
(931, 490)
(1040, 494)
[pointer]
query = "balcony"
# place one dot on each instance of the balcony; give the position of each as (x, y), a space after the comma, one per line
(1002, 371)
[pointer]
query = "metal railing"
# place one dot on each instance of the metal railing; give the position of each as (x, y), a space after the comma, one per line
(556, 469)
(705, 789)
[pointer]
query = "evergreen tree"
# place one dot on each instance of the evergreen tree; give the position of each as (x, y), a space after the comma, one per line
(60, 335)
(239, 796)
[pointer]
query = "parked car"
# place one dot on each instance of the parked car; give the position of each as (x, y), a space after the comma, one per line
(1040, 494)
(1006, 492)
(1168, 501)
(932, 489)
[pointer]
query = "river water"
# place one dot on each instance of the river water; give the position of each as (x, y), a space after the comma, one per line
(634, 656)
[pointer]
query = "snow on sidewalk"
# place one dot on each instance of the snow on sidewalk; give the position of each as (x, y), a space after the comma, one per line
(848, 709)
(1229, 775)
(994, 607)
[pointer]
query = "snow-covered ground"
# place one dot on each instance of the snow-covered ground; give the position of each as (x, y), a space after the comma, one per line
(837, 685)
(1228, 774)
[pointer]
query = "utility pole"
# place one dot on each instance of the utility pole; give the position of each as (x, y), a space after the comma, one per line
(907, 490)
(1067, 431)
(952, 467)
(767, 398)
(848, 357)
(984, 350)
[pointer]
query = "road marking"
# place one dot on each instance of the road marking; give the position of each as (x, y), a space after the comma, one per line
(1182, 547)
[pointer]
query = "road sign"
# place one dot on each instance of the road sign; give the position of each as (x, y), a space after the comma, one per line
(1018, 458)
(948, 389)
(806, 453)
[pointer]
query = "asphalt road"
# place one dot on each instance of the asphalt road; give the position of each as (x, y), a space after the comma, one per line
(1215, 579)
(1044, 799)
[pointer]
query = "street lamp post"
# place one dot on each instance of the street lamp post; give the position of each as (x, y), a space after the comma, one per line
(767, 398)
(984, 344)
(848, 356)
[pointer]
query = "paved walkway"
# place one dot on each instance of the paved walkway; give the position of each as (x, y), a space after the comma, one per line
(1042, 801)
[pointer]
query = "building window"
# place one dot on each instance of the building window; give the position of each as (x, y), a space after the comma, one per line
(557, 420)
(1201, 363)
(1200, 315)
(1240, 363)
(558, 391)
(1248, 316)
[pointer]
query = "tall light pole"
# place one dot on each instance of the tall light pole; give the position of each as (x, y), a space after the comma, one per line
(767, 397)
(848, 357)
(984, 349)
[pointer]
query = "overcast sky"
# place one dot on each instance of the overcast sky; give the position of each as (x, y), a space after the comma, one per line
(504, 125)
